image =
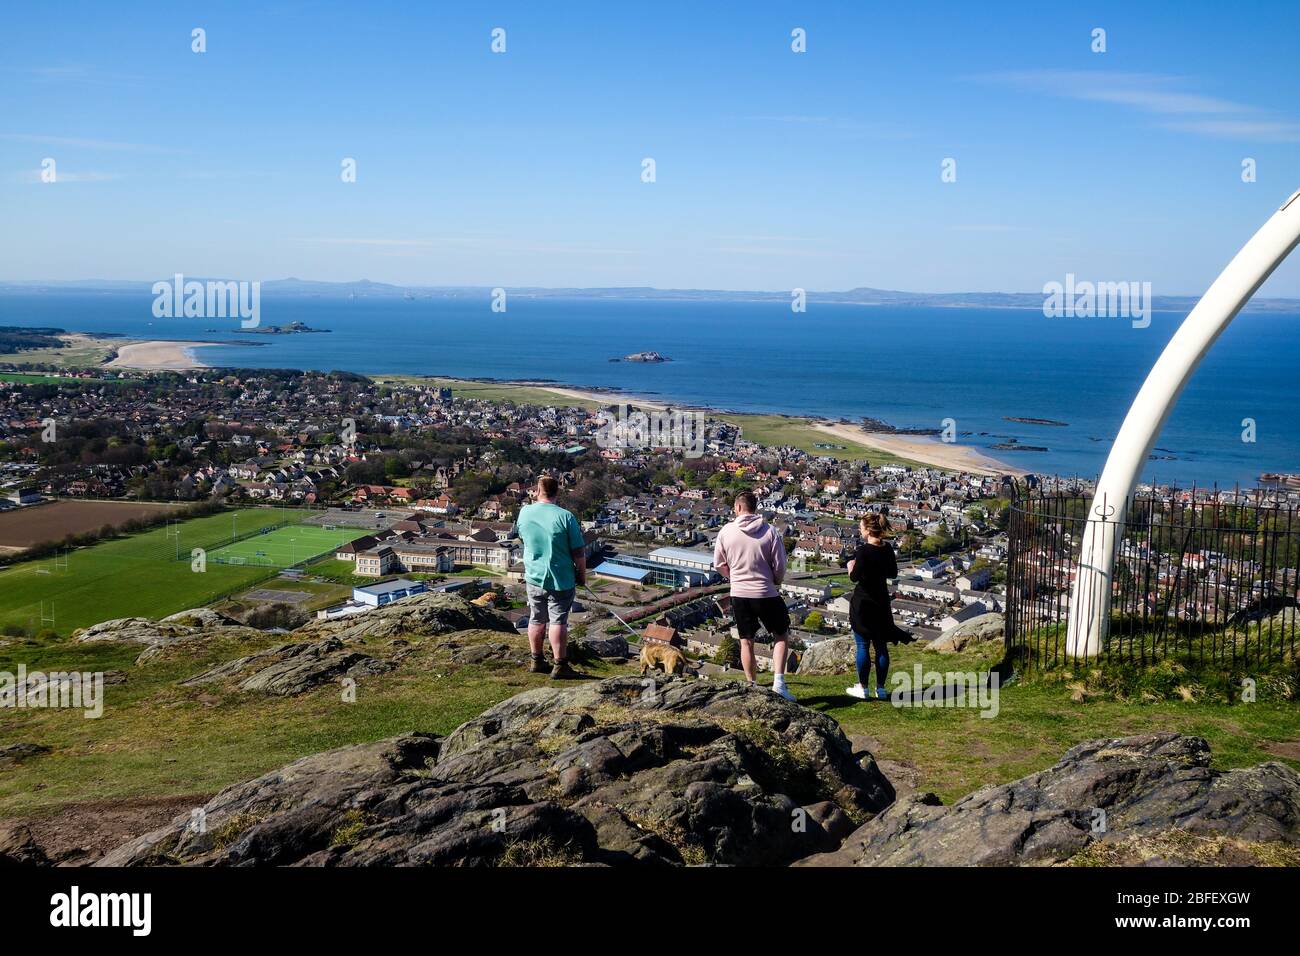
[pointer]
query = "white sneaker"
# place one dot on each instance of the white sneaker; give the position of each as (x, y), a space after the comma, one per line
(856, 691)
(783, 691)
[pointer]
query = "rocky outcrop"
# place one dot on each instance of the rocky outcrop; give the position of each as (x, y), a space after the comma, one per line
(199, 617)
(292, 669)
(604, 645)
(444, 629)
(421, 615)
(143, 630)
(978, 630)
(622, 771)
(1146, 800)
(838, 655)
(198, 626)
(138, 630)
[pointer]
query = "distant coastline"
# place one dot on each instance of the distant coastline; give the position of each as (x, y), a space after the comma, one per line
(170, 355)
(940, 375)
(919, 448)
(862, 295)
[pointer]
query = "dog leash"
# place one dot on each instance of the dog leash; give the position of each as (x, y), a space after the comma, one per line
(611, 611)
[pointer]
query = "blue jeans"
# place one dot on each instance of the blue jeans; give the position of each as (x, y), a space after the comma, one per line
(879, 650)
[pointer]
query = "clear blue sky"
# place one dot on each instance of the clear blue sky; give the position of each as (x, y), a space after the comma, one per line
(774, 169)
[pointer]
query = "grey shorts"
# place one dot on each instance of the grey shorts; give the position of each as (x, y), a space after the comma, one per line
(548, 607)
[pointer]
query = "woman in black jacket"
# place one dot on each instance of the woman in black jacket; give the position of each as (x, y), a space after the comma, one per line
(870, 615)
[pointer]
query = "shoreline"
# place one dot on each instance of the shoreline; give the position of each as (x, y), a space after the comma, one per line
(917, 448)
(158, 356)
(174, 355)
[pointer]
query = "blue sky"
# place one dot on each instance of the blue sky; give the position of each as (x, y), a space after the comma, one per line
(774, 169)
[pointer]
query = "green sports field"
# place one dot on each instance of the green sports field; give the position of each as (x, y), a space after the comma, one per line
(283, 547)
(154, 574)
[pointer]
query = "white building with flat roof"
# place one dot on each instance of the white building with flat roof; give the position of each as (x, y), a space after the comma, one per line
(691, 558)
(377, 595)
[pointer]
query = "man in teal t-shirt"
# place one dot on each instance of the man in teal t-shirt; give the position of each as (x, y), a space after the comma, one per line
(555, 562)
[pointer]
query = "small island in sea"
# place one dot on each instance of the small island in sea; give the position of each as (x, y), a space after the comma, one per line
(293, 328)
(651, 357)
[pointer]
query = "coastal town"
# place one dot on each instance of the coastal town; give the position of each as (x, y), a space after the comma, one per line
(431, 482)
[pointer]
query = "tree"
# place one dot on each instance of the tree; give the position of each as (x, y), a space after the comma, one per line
(815, 621)
(728, 653)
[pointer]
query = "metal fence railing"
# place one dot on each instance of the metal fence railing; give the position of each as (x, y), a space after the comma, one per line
(1205, 577)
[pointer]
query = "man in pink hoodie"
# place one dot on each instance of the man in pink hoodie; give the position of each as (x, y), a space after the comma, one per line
(751, 555)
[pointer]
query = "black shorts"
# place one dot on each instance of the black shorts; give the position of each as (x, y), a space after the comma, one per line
(768, 611)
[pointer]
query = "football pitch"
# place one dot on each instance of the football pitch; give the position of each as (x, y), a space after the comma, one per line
(283, 547)
(158, 572)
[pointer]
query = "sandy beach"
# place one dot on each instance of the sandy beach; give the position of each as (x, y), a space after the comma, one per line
(920, 448)
(953, 457)
(158, 356)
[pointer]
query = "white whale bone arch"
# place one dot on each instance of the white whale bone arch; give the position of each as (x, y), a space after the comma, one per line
(1090, 598)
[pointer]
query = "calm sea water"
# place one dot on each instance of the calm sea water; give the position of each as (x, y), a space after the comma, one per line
(907, 366)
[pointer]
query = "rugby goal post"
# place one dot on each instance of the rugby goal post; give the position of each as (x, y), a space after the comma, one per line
(1090, 598)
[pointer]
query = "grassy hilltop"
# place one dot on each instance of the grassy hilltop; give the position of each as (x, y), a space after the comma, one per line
(163, 743)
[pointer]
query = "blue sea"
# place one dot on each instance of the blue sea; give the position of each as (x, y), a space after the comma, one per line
(911, 367)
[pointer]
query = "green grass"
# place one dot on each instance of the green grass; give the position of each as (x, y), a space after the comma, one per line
(141, 574)
(800, 433)
(90, 352)
(284, 547)
(23, 378)
(159, 739)
(956, 751)
(340, 572)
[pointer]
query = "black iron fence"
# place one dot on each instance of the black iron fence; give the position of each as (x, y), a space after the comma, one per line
(1211, 578)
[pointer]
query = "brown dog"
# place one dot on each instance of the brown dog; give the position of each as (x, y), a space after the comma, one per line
(664, 655)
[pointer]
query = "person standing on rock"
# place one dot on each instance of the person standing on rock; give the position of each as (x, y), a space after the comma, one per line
(873, 565)
(751, 555)
(555, 563)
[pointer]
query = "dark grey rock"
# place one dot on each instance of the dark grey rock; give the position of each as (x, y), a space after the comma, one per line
(421, 615)
(1161, 800)
(604, 645)
(292, 669)
(18, 848)
(12, 754)
(621, 771)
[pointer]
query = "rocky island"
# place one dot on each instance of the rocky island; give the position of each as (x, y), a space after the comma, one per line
(650, 357)
(293, 328)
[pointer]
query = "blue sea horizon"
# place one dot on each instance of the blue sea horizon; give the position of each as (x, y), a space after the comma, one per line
(910, 366)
